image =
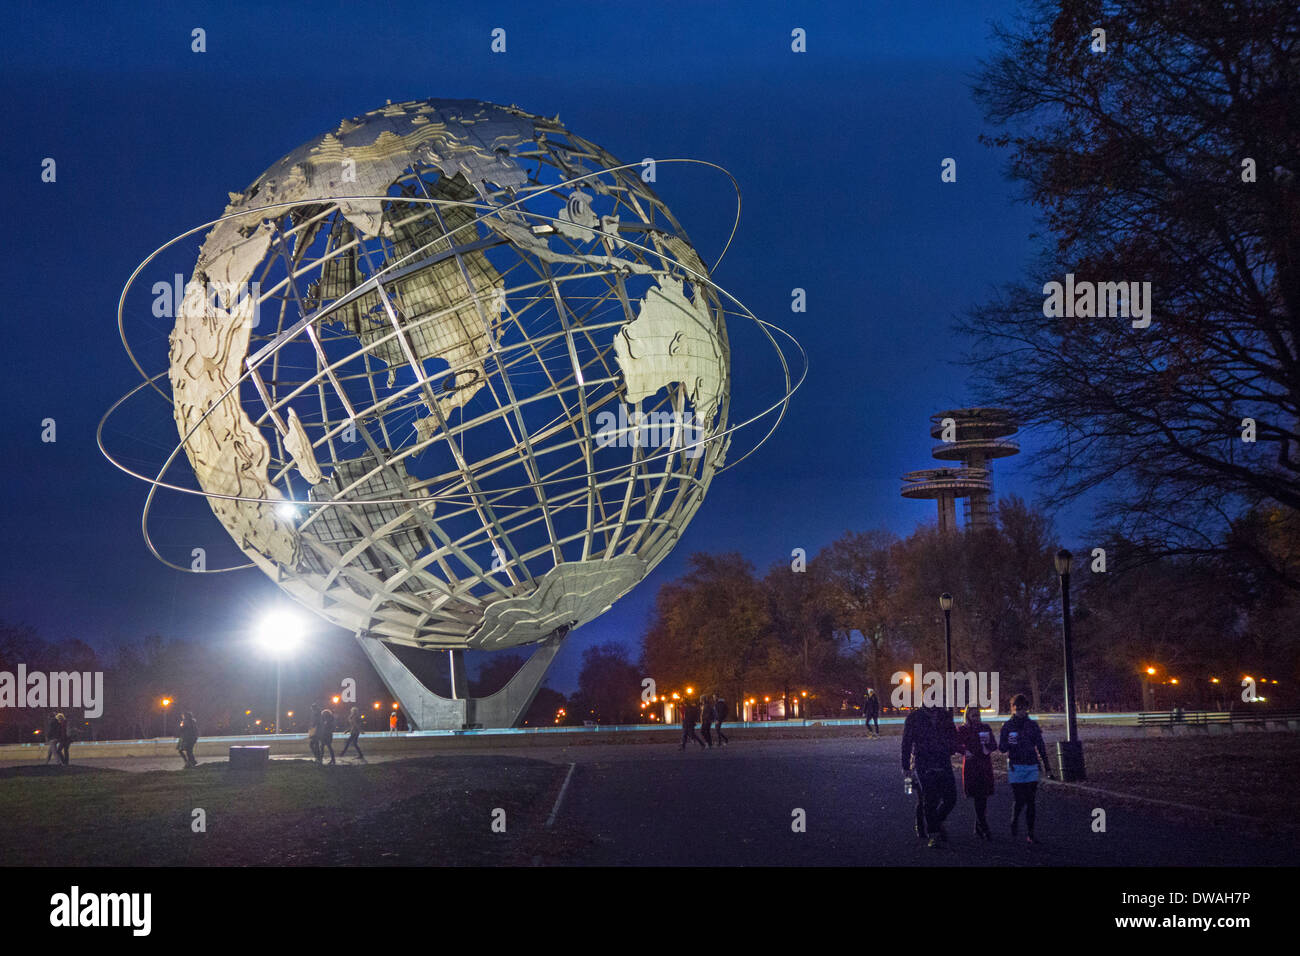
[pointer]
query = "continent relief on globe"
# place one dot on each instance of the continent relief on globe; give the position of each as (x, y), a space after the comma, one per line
(672, 339)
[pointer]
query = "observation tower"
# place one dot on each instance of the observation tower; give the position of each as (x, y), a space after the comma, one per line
(973, 437)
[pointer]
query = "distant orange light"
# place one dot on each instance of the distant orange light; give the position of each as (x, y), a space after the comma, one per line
(1151, 670)
(335, 698)
(289, 713)
(1214, 680)
(376, 705)
(394, 705)
(803, 693)
(767, 698)
(166, 701)
(259, 723)
(907, 678)
(248, 713)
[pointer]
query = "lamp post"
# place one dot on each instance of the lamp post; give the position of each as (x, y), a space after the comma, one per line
(279, 633)
(166, 702)
(1149, 690)
(1070, 750)
(945, 603)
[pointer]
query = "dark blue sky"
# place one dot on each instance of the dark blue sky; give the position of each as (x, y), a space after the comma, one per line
(837, 152)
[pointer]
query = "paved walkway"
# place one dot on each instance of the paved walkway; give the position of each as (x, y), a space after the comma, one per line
(734, 807)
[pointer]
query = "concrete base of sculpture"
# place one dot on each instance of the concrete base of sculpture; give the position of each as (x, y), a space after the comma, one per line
(426, 710)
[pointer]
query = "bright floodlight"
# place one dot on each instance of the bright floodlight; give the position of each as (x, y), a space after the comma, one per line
(279, 633)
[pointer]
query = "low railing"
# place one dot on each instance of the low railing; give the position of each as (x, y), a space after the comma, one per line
(1201, 718)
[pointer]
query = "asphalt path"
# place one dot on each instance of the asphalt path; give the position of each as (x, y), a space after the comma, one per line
(735, 806)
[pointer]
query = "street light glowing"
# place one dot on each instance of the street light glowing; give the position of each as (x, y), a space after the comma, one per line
(376, 705)
(335, 698)
(1151, 670)
(166, 701)
(280, 633)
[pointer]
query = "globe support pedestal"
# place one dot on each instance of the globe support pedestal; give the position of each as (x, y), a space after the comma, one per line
(426, 710)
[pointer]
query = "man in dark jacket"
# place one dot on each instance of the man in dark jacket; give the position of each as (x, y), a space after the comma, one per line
(929, 741)
(325, 736)
(706, 718)
(689, 716)
(53, 734)
(871, 711)
(65, 739)
(720, 714)
(189, 736)
(314, 735)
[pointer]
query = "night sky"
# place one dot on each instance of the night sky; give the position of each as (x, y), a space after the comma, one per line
(837, 152)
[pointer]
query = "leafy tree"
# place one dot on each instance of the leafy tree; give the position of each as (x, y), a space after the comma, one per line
(1170, 158)
(711, 628)
(609, 686)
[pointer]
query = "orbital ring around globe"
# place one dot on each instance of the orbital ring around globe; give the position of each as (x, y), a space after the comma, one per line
(792, 385)
(148, 381)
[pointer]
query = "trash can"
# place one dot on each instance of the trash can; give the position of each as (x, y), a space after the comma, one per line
(249, 758)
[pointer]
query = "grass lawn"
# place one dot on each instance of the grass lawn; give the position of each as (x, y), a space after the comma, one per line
(419, 812)
(1254, 774)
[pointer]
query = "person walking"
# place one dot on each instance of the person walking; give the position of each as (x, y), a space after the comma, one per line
(392, 723)
(313, 735)
(720, 714)
(706, 718)
(929, 741)
(325, 735)
(52, 738)
(354, 732)
(976, 741)
(689, 714)
(189, 736)
(65, 739)
(1022, 741)
(871, 711)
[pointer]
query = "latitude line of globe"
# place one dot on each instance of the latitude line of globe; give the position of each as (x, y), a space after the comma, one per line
(288, 336)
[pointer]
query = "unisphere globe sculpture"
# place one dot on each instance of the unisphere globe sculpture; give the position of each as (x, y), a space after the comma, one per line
(452, 376)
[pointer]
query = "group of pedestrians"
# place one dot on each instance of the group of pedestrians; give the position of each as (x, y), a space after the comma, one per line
(321, 736)
(709, 713)
(930, 740)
